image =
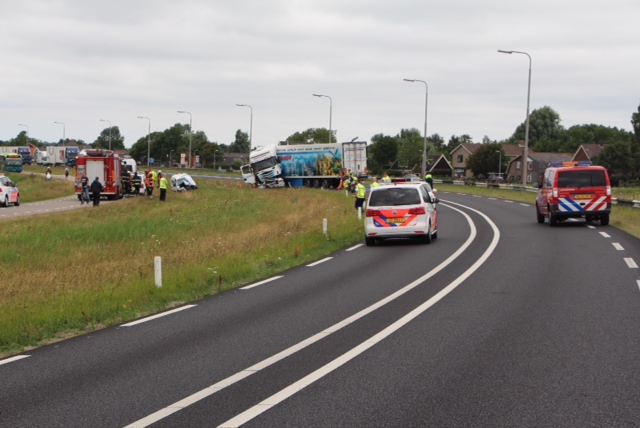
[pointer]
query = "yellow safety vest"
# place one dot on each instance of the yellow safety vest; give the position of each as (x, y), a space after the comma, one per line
(361, 191)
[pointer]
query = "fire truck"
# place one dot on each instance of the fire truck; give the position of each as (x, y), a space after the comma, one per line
(105, 165)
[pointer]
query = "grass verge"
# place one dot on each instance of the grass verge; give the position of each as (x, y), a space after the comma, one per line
(88, 268)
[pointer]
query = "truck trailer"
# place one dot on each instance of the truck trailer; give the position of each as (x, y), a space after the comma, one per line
(306, 165)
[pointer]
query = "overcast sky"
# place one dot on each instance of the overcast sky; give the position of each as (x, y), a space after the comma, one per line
(79, 61)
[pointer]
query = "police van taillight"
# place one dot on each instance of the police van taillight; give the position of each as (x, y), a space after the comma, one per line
(608, 190)
(554, 192)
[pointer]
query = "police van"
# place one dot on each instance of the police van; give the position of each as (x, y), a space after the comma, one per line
(574, 190)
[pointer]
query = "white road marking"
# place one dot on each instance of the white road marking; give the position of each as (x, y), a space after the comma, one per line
(617, 246)
(320, 261)
(605, 234)
(630, 262)
(508, 202)
(354, 247)
(12, 359)
(638, 282)
(524, 205)
(173, 311)
(261, 282)
(185, 402)
(296, 387)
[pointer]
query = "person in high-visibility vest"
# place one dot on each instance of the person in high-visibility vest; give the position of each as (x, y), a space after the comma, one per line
(163, 186)
(148, 182)
(361, 192)
(375, 182)
(429, 179)
(386, 178)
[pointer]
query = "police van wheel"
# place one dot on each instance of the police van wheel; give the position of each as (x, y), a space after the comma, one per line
(369, 241)
(552, 219)
(604, 219)
(17, 204)
(539, 216)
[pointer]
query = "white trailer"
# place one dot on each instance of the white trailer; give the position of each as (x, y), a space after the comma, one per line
(55, 155)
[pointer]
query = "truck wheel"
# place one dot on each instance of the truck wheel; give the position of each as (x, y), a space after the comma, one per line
(552, 219)
(539, 216)
(316, 184)
(604, 219)
(325, 184)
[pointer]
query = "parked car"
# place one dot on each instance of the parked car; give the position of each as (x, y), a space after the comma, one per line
(182, 182)
(9, 193)
(401, 210)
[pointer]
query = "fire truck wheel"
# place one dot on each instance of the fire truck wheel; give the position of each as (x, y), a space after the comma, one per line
(604, 219)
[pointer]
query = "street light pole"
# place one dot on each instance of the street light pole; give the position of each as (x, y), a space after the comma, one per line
(26, 126)
(148, 139)
(104, 120)
(63, 133)
(330, 113)
(525, 167)
(250, 123)
(426, 102)
(499, 163)
(190, 132)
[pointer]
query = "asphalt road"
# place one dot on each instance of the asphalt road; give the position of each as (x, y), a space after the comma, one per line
(500, 322)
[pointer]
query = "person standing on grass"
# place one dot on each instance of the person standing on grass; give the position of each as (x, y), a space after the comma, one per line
(137, 181)
(66, 173)
(361, 192)
(163, 186)
(148, 182)
(96, 189)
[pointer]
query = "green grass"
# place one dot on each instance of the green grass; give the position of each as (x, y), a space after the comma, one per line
(87, 268)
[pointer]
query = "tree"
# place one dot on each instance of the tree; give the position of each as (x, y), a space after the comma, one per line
(410, 148)
(544, 126)
(241, 143)
(486, 159)
(635, 122)
(102, 142)
(436, 145)
(312, 136)
(382, 152)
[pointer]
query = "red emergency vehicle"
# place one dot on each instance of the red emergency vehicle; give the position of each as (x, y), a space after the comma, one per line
(105, 165)
(574, 190)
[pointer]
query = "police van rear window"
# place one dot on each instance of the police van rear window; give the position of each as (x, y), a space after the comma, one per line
(394, 196)
(585, 178)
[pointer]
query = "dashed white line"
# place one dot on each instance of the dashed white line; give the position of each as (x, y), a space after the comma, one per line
(617, 246)
(12, 359)
(630, 262)
(354, 247)
(261, 282)
(605, 234)
(320, 261)
(638, 282)
(140, 321)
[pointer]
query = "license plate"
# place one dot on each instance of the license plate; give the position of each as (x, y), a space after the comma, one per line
(399, 220)
(583, 196)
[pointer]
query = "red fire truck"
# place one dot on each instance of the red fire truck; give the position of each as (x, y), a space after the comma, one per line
(105, 165)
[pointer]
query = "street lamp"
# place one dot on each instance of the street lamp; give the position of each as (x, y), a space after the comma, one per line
(526, 126)
(424, 148)
(63, 133)
(104, 120)
(499, 163)
(190, 132)
(214, 159)
(148, 139)
(250, 123)
(330, 112)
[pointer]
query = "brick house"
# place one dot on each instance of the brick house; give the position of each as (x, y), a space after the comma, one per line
(538, 162)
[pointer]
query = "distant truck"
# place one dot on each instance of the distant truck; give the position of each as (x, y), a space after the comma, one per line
(308, 165)
(55, 156)
(70, 154)
(105, 165)
(41, 157)
(21, 150)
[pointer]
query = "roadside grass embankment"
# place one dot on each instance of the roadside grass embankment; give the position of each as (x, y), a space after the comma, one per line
(35, 188)
(80, 270)
(622, 217)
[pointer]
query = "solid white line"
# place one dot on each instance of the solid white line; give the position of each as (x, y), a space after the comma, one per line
(605, 234)
(617, 246)
(12, 359)
(638, 282)
(509, 202)
(173, 311)
(169, 410)
(320, 261)
(354, 247)
(630, 262)
(261, 282)
(296, 387)
(525, 205)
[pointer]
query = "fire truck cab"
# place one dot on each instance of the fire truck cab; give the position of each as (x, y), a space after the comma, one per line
(105, 165)
(574, 190)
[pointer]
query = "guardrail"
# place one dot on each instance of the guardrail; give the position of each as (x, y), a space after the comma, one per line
(615, 201)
